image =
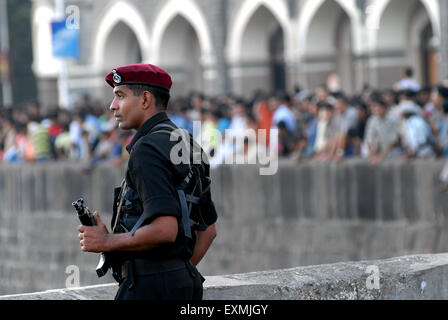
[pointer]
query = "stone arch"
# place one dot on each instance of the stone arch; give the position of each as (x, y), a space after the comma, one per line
(278, 9)
(398, 40)
(126, 14)
(259, 47)
(121, 47)
(337, 25)
(182, 56)
(188, 10)
(376, 9)
(310, 9)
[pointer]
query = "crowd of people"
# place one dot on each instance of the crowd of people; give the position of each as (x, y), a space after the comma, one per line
(324, 125)
(88, 134)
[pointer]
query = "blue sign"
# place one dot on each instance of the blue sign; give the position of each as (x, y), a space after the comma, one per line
(65, 40)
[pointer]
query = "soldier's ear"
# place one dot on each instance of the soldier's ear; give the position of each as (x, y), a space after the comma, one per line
(148, 99)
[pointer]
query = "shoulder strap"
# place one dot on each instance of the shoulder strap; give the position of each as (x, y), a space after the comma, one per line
(122, 192)
(168, 128)
(163, 125)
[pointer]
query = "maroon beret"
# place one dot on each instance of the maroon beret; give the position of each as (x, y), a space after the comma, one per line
(143, 74)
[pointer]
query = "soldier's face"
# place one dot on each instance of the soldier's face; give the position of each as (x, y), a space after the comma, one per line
(126, 109)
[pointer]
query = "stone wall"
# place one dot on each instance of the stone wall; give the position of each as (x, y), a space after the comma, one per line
(420, 277)
(306, 214)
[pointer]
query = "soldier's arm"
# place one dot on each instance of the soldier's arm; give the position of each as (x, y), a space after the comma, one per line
(97, 239)
(161, 230)
(203, 241)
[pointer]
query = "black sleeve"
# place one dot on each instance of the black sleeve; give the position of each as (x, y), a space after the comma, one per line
(208, 209)
(153, 180)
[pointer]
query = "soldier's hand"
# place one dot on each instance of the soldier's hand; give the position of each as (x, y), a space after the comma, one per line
(99, 222)
(93, 239)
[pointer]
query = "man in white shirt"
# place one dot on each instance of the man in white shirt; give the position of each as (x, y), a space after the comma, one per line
(407, 81)
(416, 135)
(381, 133)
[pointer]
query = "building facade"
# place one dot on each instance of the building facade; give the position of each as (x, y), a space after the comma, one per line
(239, 46)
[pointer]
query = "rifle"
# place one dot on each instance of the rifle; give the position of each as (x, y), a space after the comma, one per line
(87, 219)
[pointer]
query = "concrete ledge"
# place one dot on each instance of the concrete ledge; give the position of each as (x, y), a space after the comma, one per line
(415, 277)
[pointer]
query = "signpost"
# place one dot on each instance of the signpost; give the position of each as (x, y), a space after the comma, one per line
(65, 42)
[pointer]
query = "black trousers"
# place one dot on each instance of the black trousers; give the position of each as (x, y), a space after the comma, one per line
(181, 284)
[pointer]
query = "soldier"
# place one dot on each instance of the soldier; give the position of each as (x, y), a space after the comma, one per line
(156, 242)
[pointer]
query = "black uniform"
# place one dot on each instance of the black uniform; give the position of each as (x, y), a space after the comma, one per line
(164, 272)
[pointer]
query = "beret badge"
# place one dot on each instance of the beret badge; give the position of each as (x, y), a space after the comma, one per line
(117, 77)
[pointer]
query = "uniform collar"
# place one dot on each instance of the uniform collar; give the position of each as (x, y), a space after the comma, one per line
(146, 128)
